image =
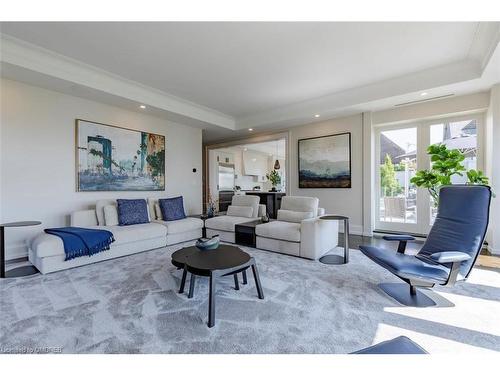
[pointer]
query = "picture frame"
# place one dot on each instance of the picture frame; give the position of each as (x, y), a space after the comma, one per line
(325, 161)
(113, 158)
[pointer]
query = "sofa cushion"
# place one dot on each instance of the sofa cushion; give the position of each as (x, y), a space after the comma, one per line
(303, 204)
(99, 209)
(111, 215)
(46, 245)
(132, 211)
(157, 210)
(183, 225)
(247, 200)
(280, 230)
(294, 216)
(225, 223)
(242, 211)
(172, 208)
(153, 215)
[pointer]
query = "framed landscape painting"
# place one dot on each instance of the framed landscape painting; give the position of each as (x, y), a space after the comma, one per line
(325, 162)
(110, 158)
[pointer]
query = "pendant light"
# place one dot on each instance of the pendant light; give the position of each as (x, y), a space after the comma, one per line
(277, 162)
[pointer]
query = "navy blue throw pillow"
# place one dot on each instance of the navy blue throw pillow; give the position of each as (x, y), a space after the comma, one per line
(132, 211)
(172, 208)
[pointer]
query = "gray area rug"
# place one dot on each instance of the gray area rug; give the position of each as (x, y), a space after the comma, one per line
(131, 305)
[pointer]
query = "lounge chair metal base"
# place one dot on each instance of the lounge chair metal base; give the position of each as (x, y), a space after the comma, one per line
(401, 293)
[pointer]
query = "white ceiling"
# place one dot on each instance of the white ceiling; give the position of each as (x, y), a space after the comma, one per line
(259, 74)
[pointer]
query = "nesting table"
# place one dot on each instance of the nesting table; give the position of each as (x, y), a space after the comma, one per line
(20, 271)
(226, 260)
(333, 258)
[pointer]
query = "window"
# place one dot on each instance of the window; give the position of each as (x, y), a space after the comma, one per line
(401, 150)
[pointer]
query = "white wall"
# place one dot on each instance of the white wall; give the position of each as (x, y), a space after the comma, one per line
(345, 201)
(37, 158)
(453, 106)
(492, 167)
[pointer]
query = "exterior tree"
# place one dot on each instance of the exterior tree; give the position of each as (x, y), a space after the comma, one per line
(445, 163)
(390, 185)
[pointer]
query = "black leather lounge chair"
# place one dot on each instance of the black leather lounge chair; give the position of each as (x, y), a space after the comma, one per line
(448, 254)
(398, 345)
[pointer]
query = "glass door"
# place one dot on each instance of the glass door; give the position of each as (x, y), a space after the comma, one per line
(400, 151)
(457, 134)
(396, 164)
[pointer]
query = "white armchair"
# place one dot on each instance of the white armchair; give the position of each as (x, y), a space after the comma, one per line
(299, 231)
(243, 208)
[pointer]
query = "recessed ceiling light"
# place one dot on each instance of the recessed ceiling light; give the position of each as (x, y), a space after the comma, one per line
(245, 149)
(423, 94)
(316, 116)
(142, 106)
(250, 129)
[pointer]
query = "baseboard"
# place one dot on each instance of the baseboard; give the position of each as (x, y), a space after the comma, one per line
(353, 229)
(492, 250)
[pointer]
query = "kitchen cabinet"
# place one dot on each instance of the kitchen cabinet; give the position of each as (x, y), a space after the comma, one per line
(224, 157)
(255, 163)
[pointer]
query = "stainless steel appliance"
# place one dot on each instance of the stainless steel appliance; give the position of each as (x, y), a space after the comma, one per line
(226, 176)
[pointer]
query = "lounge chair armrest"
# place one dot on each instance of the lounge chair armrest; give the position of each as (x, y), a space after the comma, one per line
(449, 257)
(455, 258)
(399, 238)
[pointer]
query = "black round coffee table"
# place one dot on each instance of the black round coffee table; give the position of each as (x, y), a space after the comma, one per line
(224, 261)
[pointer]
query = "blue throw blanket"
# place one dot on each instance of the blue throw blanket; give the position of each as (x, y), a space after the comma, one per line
(82, 241)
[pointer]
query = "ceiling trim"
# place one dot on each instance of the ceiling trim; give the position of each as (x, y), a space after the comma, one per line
(484, 44)
(485, 41)
(378, 95)
(29, 56)
(342, 101)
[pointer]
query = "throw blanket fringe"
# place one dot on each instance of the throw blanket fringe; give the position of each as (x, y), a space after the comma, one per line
(79, 242)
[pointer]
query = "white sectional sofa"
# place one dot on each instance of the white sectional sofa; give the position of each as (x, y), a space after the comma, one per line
(243, 208)
(298, 231)
(47, 251)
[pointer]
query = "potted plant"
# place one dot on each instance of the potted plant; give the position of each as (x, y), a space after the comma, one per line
(445, 163)
(211, 206)
(274, 178)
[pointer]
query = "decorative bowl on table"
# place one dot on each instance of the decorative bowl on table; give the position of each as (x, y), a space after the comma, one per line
(208, 244)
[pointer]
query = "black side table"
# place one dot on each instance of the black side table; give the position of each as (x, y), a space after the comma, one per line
(202, 217)
(333, 258)
(20, 271)
(244, 233)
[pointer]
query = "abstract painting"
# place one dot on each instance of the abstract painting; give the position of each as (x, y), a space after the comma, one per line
(111, 158)
(325, 162)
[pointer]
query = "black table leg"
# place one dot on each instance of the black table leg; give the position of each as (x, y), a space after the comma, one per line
(183, 280)
(191, 286)
(2, 253)
(211, 301)
(257, 281)
(346, 241)
(245, 281)
(236, 283)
